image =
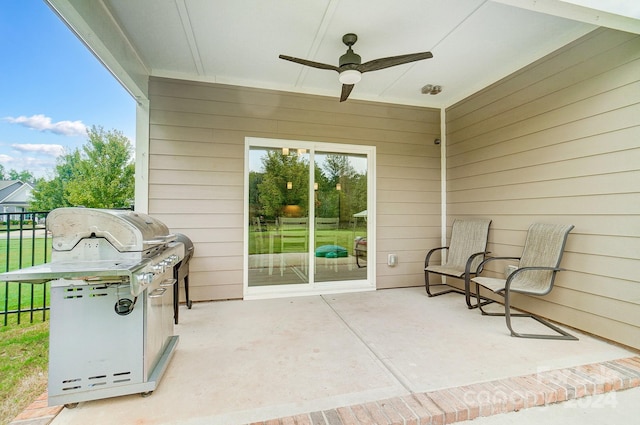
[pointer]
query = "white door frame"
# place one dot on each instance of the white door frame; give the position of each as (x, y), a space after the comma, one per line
(314, 288)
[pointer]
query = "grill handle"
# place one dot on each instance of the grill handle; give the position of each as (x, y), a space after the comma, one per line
(162, 240)
(168, 283)
(157, 293)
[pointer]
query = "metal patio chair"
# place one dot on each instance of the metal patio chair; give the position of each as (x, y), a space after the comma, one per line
(294, 242)
(537, 268)
(327, 235)
(466, 250)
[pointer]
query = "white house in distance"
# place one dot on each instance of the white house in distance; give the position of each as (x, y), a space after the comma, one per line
(14, 196)
(537, 119)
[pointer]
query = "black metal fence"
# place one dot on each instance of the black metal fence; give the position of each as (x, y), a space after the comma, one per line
(24, 242)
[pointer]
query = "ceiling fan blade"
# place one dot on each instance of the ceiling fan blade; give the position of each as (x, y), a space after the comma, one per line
(346, 91)
(383, 63)
(309, 63)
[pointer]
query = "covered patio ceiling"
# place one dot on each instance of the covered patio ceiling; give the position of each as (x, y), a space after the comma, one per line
(237, 42)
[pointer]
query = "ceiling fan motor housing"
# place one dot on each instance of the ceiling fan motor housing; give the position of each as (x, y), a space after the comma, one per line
(350, 58)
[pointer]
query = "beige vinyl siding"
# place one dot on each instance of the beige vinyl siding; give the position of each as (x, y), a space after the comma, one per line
(196, 171)
(559, 142)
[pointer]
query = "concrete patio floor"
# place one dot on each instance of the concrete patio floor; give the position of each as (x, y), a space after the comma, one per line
(240, 362)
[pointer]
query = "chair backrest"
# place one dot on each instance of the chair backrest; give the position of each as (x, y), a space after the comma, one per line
(288, 223)
(468, 236)
(543, 247)
(293, 233)
(257, 225)
(327, 223)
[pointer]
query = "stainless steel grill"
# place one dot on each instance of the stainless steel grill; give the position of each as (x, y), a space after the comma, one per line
(112, 284)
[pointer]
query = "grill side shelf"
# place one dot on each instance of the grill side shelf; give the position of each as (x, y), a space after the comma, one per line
(94, 271)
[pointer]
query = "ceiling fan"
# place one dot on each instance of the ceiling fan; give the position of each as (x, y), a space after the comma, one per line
(350, 67)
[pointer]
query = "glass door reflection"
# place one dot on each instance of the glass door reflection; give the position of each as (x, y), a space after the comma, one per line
(340, 216)
(279, 216)
(306, 225)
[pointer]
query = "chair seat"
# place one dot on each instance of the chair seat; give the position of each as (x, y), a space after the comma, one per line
(446, 270)
(498, 285)
(492, 283)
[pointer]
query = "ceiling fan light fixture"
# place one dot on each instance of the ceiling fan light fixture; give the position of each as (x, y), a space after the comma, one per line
(350, 76)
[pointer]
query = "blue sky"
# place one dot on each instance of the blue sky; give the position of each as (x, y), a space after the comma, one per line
(52, 89)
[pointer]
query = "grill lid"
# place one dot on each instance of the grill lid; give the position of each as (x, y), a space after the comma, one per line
(127, 231)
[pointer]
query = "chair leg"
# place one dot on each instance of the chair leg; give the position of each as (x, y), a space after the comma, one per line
(561, 334)
(480, 304)
(467, 295)
(428, 285)
(508, 315)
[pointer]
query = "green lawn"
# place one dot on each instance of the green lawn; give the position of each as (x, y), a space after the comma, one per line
(23, 366)
(28, 247)
(28, 253)
(23, 347)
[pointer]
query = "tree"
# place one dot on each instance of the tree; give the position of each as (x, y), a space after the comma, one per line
(50, 194)
(23, 176)
(274, 191)
(338, 167)
(101, 175)
(349, 197)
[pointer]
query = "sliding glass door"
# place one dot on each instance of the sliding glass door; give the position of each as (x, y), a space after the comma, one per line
(278, 216)
(307, 222)
(340, 216)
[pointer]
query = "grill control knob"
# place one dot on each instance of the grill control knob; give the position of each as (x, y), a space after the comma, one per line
(145, 278)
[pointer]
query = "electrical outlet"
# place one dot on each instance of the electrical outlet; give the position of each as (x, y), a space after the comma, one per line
(392, 260)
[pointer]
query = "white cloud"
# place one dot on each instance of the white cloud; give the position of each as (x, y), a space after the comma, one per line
(39, 159)
(43, 123)
(39, 167)
(47, 150)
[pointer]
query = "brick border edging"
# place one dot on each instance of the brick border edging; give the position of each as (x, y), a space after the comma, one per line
(483, 399)
(37, 412)
(449, 405)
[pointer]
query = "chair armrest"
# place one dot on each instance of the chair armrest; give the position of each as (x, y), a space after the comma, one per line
(470, 260)
(481, 265)
(430, 253)
(507, 285)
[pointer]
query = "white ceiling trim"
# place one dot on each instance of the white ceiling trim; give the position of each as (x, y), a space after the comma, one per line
(191, 39)
(578, 13)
